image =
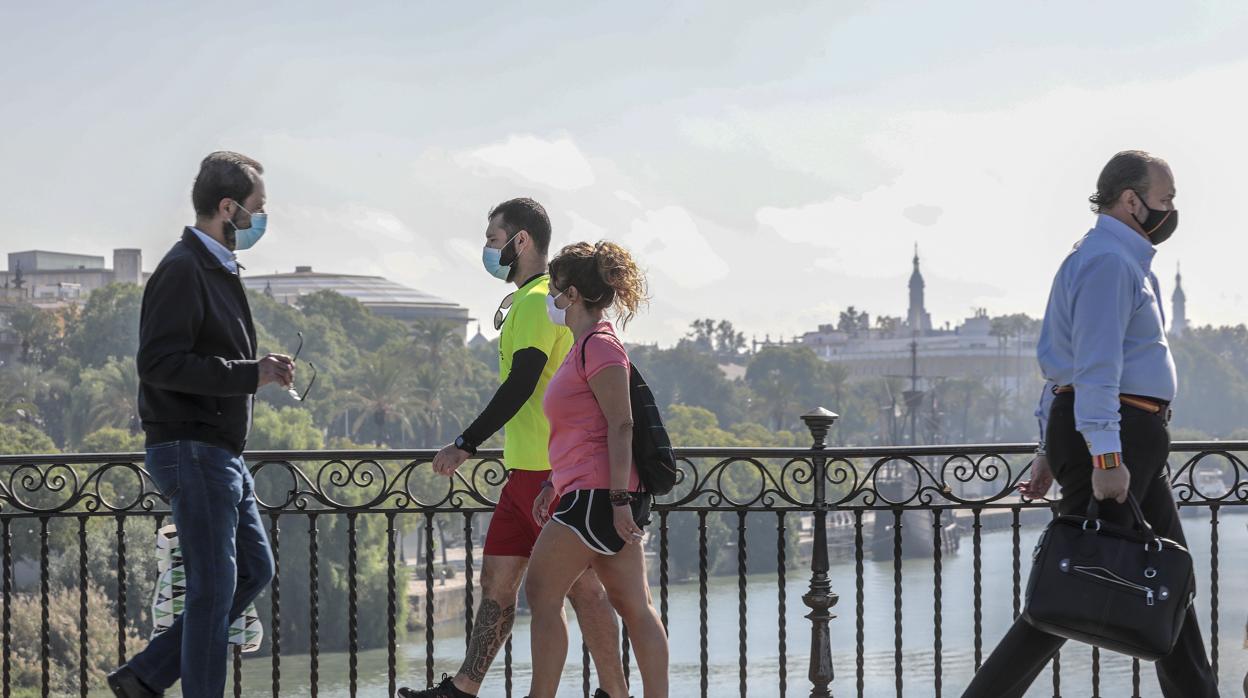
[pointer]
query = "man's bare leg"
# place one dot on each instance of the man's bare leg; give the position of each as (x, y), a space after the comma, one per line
(500, 585)
(597, 619)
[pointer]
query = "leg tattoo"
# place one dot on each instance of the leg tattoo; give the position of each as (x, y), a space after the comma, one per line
(491, 630)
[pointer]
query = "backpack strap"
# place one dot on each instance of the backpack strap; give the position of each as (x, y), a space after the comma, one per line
(585, 342)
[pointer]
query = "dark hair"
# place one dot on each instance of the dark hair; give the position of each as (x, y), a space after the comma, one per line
(604, 273)
(224, 175)
(525, 214)
(1125, 171)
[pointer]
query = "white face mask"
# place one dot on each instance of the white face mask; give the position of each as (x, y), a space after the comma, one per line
(557, 315)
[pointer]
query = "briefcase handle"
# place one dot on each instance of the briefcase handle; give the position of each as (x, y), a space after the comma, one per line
(1094, 514)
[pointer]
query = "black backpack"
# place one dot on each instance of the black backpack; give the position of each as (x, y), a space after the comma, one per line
(652, 449)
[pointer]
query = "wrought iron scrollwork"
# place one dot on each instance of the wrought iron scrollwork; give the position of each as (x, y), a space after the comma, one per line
(715, 479)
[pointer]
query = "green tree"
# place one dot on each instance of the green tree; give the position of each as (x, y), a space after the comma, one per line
(1213, 389)
(695, 426)
(37, 330)
(435, 339)
(18, 439)
(728, 341)
(112, 440)
(787, 381)
(115, 401)
(686, 376)
(19, 391)
(369, 331)
(108, 326)
(381, 395)
(852, 321)
(283, 429)
(701, 335)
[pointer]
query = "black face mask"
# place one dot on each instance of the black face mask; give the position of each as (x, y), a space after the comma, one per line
(230, 231)
(509, 256)
(1157, 225)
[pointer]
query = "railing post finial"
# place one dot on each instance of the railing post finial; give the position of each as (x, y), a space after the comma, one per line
(819, 421)
(820, 599)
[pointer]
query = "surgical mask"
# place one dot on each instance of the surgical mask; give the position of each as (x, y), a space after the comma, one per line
(1157, 225)
(246, 238)
(557, 315)
(492, 260)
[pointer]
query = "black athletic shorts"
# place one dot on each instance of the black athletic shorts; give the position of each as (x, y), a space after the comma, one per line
(590, 515)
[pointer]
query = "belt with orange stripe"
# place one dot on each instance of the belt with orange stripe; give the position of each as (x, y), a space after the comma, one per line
(1149, 405)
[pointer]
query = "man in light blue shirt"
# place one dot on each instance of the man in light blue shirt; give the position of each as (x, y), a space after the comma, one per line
(1110, 379)
(221, 252)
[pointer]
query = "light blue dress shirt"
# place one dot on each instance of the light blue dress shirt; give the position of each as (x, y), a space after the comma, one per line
(1104, 331)
(221, 252)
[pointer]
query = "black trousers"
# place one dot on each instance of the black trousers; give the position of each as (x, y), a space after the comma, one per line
(1024, 651)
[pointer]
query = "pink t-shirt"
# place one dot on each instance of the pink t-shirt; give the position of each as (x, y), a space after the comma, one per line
(579, 459)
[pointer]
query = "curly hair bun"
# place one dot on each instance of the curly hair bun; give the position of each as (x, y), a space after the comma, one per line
(605, 274)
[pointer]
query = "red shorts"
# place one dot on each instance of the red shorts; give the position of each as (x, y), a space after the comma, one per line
(513, 532)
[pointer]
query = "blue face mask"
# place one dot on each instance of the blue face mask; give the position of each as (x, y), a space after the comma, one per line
(492, 260)
(246, 238)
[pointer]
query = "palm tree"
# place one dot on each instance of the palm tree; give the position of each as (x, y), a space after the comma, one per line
(431, 384)
(998, 396)
(18, 390)
(115, 403)
(434, 338)
(36, 330)
(837, 376)
(382, 393)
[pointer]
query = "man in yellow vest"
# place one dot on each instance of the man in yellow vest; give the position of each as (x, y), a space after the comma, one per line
(531, 349)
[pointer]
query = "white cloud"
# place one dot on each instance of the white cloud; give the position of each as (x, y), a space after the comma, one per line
(361, 224)
(627, 198)
(996, 197)
(558, 164)
(463, 250)
(582, 229)
(667, 240)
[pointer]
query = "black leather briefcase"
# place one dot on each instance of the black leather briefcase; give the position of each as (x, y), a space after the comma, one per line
(1121, 588)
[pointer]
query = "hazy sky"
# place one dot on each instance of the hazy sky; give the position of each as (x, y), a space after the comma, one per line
(767, 164)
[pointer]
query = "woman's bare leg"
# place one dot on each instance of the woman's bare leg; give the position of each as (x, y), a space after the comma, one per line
(624, 577)
(558, 559)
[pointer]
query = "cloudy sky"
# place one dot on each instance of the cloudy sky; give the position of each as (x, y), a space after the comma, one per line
(768, 163)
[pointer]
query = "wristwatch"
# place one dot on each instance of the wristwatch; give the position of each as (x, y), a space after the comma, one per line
(462, 444)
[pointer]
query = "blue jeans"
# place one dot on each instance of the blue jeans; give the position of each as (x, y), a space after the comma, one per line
(227, 559)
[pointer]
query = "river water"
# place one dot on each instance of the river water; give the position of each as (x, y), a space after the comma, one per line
(762, 643)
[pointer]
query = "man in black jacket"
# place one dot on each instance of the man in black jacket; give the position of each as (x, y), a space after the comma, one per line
(198, 372)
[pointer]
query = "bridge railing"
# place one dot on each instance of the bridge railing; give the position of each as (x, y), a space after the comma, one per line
(375, 554)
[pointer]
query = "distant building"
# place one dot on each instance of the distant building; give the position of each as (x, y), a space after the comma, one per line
(1178, 319)
(917, 317)
(914, 348)
(53, 280)
(380, 295)
(479, 340)
(40, 276)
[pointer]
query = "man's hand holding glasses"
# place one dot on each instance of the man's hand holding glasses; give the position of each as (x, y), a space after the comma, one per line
(277, 368)
(289, 384)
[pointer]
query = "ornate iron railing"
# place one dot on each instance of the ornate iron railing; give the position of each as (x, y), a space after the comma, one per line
(850, 505)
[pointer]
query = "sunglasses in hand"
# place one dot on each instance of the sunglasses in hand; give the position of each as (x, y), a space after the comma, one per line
(292, 391)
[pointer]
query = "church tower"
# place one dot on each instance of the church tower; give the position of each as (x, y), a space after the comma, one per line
(917, 319)
(1178, 322)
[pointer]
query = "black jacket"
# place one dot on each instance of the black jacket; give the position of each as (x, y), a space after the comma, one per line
(197, 351)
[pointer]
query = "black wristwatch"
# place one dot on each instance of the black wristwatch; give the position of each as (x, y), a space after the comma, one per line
(462, 444)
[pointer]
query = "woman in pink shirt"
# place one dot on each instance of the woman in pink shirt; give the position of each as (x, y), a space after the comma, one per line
(601, 508)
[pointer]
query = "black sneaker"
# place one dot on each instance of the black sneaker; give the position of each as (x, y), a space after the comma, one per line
(445, 689)
(126, 684)
(599, 693)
